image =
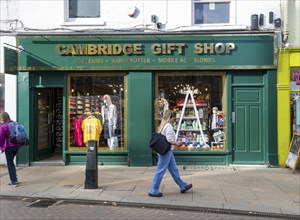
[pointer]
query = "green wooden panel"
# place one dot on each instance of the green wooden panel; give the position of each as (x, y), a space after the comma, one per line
(271, 130)
(249, 78)
(48, 79)
(254, 129)
(248, 136)
(10, 61)
(240, 129)
(23, 114)
(102, 160)
(140, 114)
(201, 160)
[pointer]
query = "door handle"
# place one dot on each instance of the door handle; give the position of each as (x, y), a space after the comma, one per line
(233, 117)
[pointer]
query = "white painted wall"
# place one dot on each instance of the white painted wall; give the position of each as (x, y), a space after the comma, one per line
(294, 23)
(50, 14)
(10, 86)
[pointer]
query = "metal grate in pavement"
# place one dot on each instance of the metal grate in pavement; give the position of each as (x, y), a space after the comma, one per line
(208, 167)
(42, 203)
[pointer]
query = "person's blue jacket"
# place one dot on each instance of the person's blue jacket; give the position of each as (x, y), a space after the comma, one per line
(4, 134)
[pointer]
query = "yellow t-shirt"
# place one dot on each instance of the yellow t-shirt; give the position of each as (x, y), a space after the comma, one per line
(91, 128)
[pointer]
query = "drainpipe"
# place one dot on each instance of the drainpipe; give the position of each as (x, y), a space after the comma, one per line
(285, 19)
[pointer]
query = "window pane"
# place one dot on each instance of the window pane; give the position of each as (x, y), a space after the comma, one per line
(211, 13)
(2, 89)
(207, 106)
(100, 98)
(84, 8)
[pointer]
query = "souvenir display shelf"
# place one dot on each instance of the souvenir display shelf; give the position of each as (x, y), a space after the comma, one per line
(78, 105)
(192, 120)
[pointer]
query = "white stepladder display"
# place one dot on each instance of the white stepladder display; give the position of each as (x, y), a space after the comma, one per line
(189, 93)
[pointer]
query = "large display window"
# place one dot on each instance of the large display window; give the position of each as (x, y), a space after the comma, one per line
(295, 100)
(2, 89)
(198, 101)
(96, 105)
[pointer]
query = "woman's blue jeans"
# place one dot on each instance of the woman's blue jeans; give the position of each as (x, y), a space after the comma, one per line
(10, 154)
(165, 162)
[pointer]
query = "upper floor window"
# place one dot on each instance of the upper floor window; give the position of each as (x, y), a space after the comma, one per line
(84, 8)
(211, 11)
(83, 12)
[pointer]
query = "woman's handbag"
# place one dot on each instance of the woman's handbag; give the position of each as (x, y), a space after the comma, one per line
(159, 143)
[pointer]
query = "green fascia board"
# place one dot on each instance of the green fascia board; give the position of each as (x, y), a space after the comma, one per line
(147, 52)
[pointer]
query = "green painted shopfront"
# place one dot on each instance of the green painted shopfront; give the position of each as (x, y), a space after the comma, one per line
(220, 86)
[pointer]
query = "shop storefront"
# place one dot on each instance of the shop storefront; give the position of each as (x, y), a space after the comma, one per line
(288, 89)
(221, 88)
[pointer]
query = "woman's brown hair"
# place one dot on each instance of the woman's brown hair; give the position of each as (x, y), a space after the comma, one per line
(4, 116)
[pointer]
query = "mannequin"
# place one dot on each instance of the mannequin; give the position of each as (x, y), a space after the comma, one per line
(109, 119)
(214, 119)
(161, 104)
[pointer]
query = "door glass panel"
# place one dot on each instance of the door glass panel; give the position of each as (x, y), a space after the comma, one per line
(44, 118)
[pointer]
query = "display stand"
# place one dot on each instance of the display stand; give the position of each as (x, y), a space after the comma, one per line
(294, 152)
(91, 171)
(190, 93)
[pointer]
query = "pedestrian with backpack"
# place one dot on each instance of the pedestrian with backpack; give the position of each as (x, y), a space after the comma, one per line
(10, 149)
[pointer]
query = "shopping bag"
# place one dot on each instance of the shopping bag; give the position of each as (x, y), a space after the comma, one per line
(159, 143)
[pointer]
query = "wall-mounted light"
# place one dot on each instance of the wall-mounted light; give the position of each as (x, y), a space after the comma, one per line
(132, 11)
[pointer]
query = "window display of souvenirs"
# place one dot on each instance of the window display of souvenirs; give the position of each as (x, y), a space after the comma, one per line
(197, 103)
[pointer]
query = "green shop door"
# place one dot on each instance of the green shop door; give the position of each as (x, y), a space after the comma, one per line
(43, 147)
(248, 132)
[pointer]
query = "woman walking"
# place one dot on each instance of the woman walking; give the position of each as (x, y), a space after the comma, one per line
(167, 161)
(9, 148)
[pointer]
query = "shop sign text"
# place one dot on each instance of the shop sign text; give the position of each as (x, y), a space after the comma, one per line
(138, 49)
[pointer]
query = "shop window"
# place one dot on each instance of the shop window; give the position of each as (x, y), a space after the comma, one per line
(198, 101)
(97, 99)
(2, 94)
(211, 12)
(295, 100)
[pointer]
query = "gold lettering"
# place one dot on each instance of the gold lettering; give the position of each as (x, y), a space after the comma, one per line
(102, 49)
(80, 49)
(137, 48)
(198, 48)
(219, 48)
(60, 49)
(229, 47)
(156, 49)
(70, 50)
(92, 49)
(208, 47)
(180, 48)
(117, 49)
(127, 49)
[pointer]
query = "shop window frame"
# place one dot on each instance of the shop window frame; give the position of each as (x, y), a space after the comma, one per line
(68, 125)
(223, 100)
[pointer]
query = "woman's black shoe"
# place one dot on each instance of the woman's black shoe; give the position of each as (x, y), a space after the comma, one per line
(155, 195)
(186, 188)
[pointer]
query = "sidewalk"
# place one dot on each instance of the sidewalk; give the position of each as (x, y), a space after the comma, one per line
(242, 188)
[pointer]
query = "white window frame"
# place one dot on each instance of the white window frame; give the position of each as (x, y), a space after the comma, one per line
(82, 21)
(232, 12)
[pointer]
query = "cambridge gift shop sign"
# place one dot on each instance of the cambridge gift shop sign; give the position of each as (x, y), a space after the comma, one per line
(146, 52)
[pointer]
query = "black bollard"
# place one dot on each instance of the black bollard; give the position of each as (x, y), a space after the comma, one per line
(91, 170)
